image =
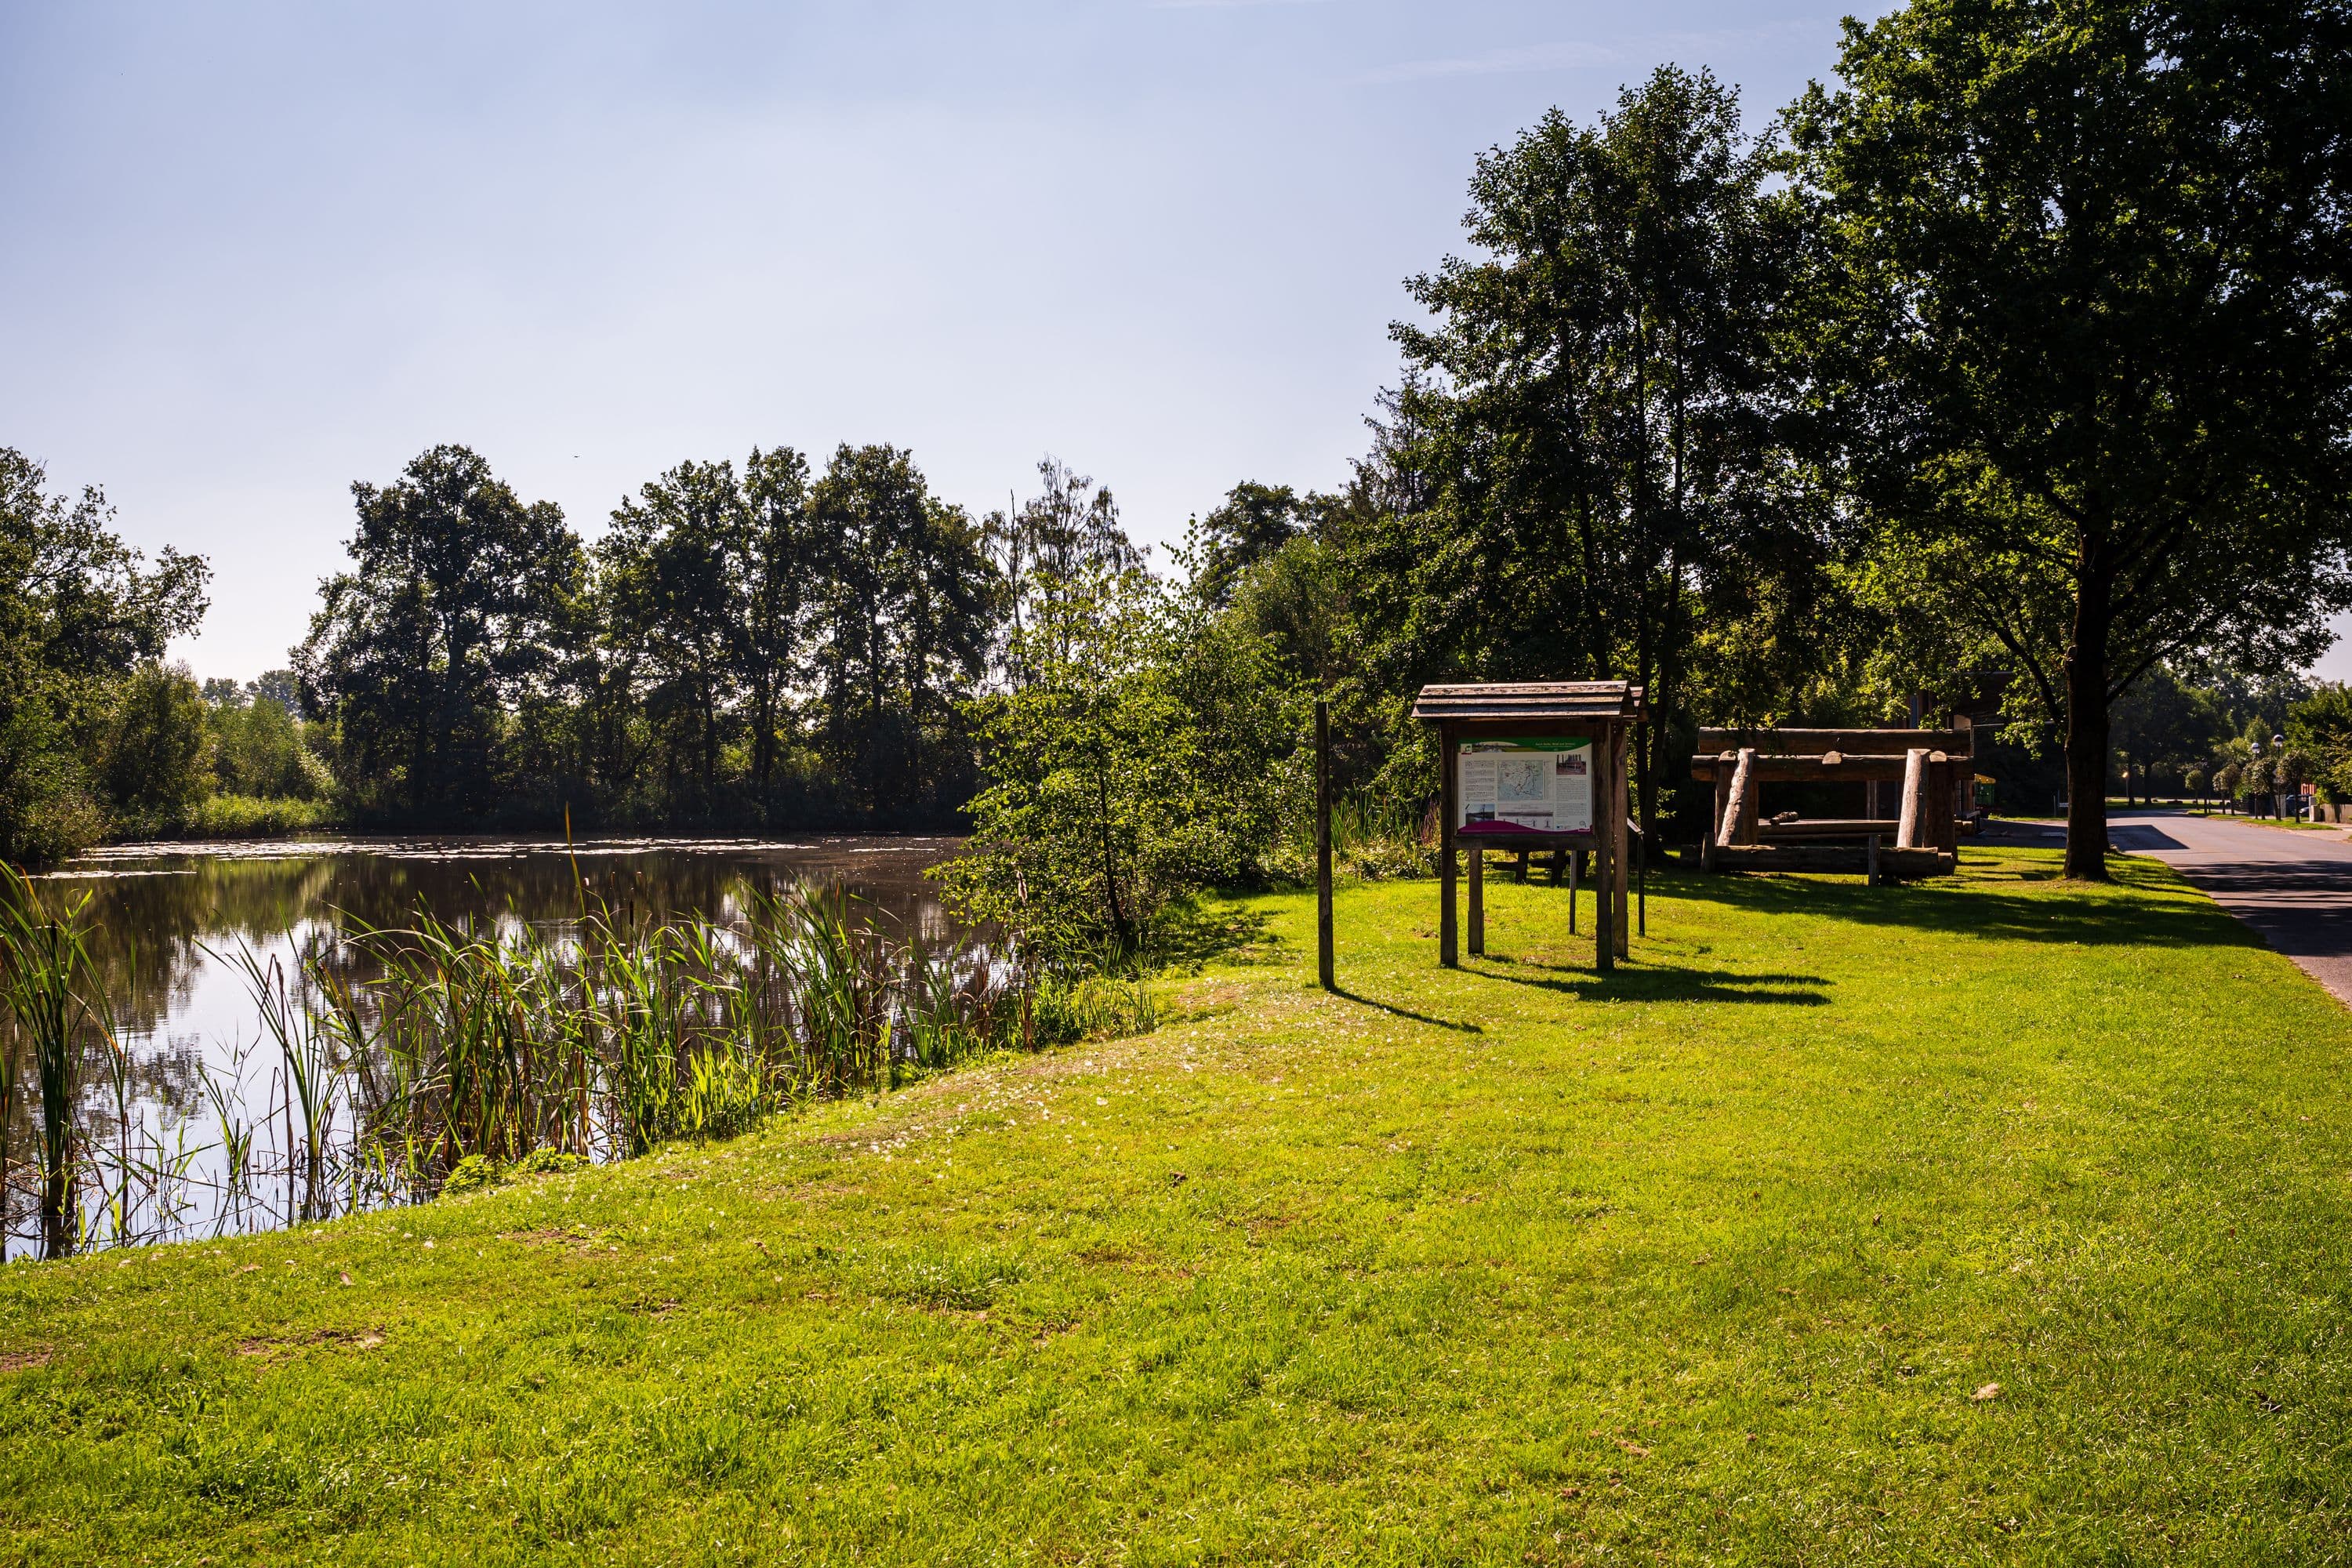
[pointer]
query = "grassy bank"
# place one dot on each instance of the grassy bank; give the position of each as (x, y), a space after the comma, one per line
(1990, 1220)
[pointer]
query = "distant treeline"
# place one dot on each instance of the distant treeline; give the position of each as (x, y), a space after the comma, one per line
(750, 645)
(2009, 374)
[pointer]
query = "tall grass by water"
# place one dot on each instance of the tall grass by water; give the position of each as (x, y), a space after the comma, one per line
(388, 1063)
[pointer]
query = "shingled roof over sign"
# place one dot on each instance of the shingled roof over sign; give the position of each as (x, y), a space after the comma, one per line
(1534, 700)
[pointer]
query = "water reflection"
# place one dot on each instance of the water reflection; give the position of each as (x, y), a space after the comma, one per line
(171, 923)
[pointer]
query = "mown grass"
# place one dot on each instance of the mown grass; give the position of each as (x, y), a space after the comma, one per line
(1708, 1261)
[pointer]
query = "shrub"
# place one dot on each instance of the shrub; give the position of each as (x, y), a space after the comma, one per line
(157, 758)
(247, 816)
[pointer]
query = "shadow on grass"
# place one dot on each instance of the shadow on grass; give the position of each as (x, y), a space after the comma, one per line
(1672, 983)
(1186, 936)
(1390, 1008)
(1980, 904)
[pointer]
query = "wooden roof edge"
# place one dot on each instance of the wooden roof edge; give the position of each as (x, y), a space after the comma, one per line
(1533, 700)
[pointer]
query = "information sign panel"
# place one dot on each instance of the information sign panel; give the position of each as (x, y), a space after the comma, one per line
(1509, 787)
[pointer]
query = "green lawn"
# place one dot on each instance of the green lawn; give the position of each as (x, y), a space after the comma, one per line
(1990, 1220)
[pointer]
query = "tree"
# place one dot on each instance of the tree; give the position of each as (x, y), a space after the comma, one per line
(1057, 539)
(2162, 724)
(781, 557)
(675, 564)
(1594, 415)
(446, 622)
(2095, 271)
(157, 755)
(257, 745)
(1249, 527)
(80, 611)
(909, 600)
(1128, 773)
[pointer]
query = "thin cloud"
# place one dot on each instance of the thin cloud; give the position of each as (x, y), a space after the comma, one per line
(1534, 57)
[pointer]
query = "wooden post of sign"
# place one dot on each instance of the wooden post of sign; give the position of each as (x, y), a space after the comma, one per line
(1604, 934)
(1477, 857)
(1449, 793)
(1323, 957)
(1621, 886)
(1574, 858)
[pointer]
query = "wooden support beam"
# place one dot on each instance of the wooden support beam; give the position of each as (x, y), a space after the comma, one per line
(1847, 768)
(1958, 742)
(1943, 826)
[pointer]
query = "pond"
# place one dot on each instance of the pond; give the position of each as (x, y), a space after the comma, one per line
(183, 933)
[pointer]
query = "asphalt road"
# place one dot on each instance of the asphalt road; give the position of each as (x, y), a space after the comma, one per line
(2295, 889)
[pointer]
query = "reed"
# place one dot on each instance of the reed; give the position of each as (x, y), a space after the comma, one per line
(400, 1056)
(310, 1065)
(52, 990)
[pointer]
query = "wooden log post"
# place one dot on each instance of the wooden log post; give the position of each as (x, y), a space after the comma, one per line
(1449, 792)
(1323, 954)
(1740, 810)
(1724, 767)
(1915, 781)
(1477, 857)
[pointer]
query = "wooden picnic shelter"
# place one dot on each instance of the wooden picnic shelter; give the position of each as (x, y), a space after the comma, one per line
(1927, 776)
(1545, 763)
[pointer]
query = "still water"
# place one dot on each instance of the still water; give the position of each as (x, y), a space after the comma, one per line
(172, 922)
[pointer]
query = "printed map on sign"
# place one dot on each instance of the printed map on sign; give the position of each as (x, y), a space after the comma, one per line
(1506, 787)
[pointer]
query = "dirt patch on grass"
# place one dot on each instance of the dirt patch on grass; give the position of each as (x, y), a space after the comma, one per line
(569, 1241)
(1140, 1261)
(263, 1348)
(24, 1360)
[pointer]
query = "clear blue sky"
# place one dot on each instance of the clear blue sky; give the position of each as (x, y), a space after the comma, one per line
(256, 252)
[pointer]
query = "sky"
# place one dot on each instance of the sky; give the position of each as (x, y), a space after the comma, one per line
(258, 252)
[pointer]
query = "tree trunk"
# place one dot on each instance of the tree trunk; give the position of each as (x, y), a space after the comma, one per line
(2086, 730)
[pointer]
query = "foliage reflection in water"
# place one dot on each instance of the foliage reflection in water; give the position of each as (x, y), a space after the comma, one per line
(379, 1062)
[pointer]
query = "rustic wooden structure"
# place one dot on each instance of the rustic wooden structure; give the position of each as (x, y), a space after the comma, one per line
(1931, 770)
(1601, 712)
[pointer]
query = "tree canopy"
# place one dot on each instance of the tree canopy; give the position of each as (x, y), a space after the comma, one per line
(2097, 377)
